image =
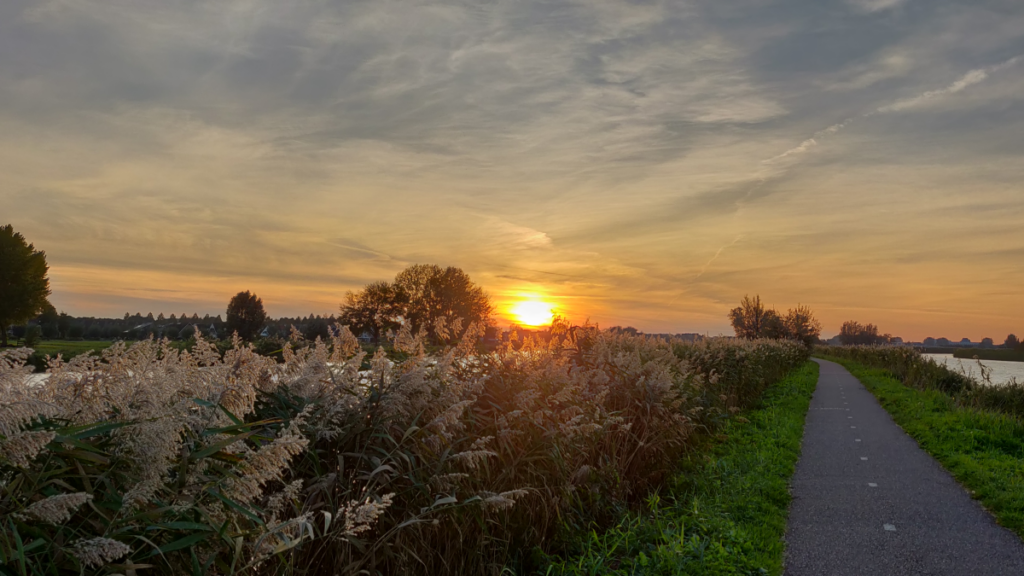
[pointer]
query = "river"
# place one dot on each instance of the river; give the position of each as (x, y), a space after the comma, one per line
(1001, 371)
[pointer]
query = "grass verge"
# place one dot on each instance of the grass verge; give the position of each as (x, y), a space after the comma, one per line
(725, 512)
(984, 450)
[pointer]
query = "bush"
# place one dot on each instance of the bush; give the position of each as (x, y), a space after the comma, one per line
(450, 463)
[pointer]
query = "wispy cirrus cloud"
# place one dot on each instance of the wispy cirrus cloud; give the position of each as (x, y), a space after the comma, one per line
(969, 79)
(875, 5)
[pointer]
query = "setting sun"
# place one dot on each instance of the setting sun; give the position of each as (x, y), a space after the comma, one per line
(532, 312)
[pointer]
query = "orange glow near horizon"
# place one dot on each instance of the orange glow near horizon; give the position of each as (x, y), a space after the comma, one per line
(532, 312)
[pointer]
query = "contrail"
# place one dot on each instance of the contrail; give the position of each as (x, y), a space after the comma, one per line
(971, 78)
(705, 268)
(967, 80)
(715, 257)
(810, 142)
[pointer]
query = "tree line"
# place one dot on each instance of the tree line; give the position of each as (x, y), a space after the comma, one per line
(439, 302)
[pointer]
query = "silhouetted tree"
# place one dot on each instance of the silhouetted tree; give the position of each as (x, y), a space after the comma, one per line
(443, 302)
(437, 297)
(24, 285)
(752, 320)
(48, 320)
(245, 315)
(63, 325)
(749, 318)
(375, 309)
(773, 326)
(316, 327)
(802, 325)
(853, 332)
(1011, 341)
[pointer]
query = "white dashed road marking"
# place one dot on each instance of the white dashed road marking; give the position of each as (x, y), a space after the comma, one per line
(889, 527)
(872, 484)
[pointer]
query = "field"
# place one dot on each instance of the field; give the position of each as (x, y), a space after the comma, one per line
(68, 349)
(455, 462)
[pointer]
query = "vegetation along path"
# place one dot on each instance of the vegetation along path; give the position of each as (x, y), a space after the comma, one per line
(868, 500)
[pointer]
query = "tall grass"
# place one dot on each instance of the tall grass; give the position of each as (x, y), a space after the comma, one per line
(192, 462)
(922, 373)
(724, 512)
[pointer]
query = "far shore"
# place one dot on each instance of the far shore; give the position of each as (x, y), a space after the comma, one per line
(989, 354)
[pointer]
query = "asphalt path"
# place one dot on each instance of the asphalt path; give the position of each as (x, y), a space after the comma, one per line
(868, 501)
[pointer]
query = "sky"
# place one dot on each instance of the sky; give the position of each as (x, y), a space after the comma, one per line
(643, 163)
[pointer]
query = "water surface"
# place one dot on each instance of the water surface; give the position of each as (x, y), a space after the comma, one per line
(1001, 371)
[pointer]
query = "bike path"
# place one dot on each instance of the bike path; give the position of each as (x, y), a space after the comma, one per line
(868, 501)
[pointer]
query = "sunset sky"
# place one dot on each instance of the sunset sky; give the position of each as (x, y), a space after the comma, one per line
(639, 163)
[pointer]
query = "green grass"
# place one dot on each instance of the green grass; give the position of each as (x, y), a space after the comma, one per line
(983, 354)
(68, 349)
(984, 450)
(725, 512)
(54, 347)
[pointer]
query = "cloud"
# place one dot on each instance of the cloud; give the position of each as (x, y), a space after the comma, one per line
(875, 5)
(969, 79)
(603, 150)
(886, 67)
